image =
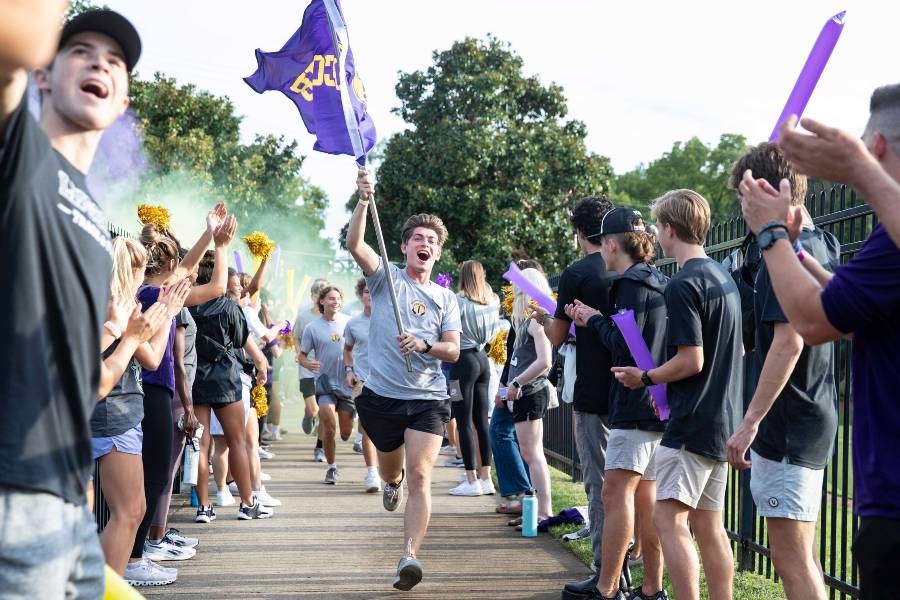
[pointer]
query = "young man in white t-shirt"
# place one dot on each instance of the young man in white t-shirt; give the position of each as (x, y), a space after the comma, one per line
(403, 410)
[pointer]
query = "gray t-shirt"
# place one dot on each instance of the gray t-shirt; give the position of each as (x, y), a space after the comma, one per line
(305, 316)
(326, 339)
(184, 319)
(426, 311)
(480, 322)
(357, 335)
(123, 407)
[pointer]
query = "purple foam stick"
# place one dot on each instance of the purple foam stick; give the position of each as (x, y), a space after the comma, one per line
(239, 261)
(545, 301)
(812, 70)
(641, 353)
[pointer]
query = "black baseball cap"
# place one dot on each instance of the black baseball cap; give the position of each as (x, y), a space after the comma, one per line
(107, 22)
(621, 220)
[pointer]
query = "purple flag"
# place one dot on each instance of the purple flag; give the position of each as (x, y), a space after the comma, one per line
(307, 70)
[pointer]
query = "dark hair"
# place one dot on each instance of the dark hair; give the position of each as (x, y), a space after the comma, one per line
(264, 315)
(360, 286)
(640, 246)
(205, 269)
(427, 221)
(587, 215)
(530, 263)
(324, 292)
(767, 161)
(161, 249)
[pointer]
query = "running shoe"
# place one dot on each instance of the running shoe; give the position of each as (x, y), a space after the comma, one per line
(265, 476)
(637, 594)
(265, 499)
(409, 573)
(454, 462)
(163, 550)
(357, 447)
(233, 488)
(319, 455)
(393, 493)
(331, 475)
(205, 514)
(448, 450)
(173, 536)
(224, 498)
(467, 488)
(487, 487)
(145, 572)
(372, 483)
(308, 424)
(257, 511)
(265, 454)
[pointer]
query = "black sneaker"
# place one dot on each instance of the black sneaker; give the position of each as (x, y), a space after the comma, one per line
(331, 475)
(409, 573)
(637, 594)
(257, 511)
(393, 493)
(205, 514)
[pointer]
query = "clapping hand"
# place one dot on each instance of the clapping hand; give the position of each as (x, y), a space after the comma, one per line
(119, 311)
(173, 296)
(215, 217)
(224, 232)
(142, 325)
(580, 313)
(828, 154)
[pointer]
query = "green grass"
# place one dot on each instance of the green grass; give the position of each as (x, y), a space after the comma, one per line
(566, 494)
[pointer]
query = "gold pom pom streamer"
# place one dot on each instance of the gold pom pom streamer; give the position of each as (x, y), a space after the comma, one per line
(497, 352)
(258, 400)
(157, 215)
(259, 244)
(507, 291)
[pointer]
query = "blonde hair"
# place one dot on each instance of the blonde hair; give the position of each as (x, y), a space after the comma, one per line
(161, 248)
(521, 299)
(472, 283)
(127, 255)
(686, 211)
(431, 222)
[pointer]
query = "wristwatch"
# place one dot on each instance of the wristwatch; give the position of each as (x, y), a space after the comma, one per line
(770, 233)
(645, 379)
(516, 384)
(428, 347)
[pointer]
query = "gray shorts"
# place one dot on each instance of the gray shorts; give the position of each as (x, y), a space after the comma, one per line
(785, 491)
(340, 403)
(694, 480)
(632, 450)
(49, 548)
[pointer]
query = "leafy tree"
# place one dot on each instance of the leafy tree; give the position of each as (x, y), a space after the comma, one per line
(76, 7)
(691, 164)
(489, 151)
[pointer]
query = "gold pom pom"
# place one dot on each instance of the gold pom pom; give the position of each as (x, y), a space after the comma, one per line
(157, 215)
(507, 299)
(287, 340)
(497, 352)
(259, 244)
(258, 400)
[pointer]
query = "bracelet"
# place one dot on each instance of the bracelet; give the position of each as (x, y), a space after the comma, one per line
(798, 250)
(113, 329)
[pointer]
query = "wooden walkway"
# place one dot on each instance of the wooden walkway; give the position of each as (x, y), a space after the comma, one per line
(334, 542)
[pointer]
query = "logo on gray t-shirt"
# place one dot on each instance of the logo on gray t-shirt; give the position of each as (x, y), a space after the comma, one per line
(426, 311)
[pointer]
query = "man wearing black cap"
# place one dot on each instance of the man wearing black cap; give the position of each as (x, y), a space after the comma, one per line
(56, 263)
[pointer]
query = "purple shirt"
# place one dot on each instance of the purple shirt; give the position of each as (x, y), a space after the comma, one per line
(164, 375)
(863, 298)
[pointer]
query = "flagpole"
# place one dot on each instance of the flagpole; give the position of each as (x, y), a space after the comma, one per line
(386, 265)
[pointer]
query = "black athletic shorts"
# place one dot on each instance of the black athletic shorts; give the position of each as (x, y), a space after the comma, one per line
(387, 419)
(532, 406)
(308, 386)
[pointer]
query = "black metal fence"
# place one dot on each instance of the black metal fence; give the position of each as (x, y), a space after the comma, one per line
(837, 210)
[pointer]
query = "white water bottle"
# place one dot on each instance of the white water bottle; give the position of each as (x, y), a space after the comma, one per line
(192, 458)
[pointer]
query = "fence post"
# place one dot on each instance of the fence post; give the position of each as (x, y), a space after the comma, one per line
(745, 523)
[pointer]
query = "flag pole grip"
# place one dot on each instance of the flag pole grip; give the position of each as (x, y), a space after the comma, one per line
(387, 271)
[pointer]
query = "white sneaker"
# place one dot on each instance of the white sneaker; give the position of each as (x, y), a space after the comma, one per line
(467, 489)
(224, 497)
(264, 476)
(265, 499)
(487, 487)
(448, 450)
(233, 488)
(265, 454)
(146, 572)
(163, 550)
(372, 483)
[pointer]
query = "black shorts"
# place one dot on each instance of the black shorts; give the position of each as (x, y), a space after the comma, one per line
(532, 406)
(877, 551)
(308, 386)
(387, 419)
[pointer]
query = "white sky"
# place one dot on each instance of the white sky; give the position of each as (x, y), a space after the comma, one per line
(642, 75)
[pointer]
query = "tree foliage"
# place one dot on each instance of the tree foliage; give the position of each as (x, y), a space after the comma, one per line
(489, 151)
(691, 164)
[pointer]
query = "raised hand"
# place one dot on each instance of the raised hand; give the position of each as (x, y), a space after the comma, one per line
(224, 233)
(761, 203)
(826, 152)
(215, 217)
(142, 325)
(365, 185)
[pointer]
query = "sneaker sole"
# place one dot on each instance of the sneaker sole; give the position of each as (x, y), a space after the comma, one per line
(134, 583)
(203, 520)
(373, 489)
(408, 577)
(168, 558)
(243, 517)
(452, 493)
(330, 482)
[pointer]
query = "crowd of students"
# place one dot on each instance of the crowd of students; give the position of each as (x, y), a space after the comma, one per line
(134, 345)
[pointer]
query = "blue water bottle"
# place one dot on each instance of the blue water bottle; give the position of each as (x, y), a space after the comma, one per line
(529, 515)
(195, 501)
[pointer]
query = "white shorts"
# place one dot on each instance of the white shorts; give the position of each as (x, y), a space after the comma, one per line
(694, 480)
(785, 491)
(215, 428)
(632, 450)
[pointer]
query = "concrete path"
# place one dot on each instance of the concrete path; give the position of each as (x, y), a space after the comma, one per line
(334, 542)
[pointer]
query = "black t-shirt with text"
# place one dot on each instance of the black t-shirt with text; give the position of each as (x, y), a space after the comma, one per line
(56, 265)
(586, 280)
(704, 308)
(802, 422)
